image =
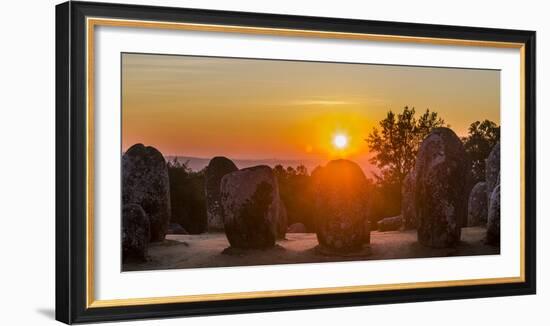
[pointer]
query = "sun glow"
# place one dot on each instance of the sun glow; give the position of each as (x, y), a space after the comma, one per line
(340, 141)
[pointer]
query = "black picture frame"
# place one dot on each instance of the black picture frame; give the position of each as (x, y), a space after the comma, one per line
(71, 156)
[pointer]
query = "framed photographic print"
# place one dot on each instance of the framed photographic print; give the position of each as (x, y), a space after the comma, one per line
(215, 162)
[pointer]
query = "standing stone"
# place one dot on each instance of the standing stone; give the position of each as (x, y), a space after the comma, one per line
(135, 233)
(470, 184)
(441, 197)
(408, 211)
(492, 170)
(340, 207)
(493, 220)
(145, 182)
(250, 203)
(282, 222)
(477, 205)
(216, 169)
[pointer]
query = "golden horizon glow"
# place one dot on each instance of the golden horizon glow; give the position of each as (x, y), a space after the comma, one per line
(290, 110)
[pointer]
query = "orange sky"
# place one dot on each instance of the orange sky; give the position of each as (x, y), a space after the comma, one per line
(251, 109)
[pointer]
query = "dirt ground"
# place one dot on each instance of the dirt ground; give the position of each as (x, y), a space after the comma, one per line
(209, 250)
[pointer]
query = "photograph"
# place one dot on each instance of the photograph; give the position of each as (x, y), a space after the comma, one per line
(230, 161)
(226, 160)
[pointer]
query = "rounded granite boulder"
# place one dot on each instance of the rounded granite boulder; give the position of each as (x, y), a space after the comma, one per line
(217, 168)
(135, 233)
(145, 182)
(492, 170)
(340, 207)
(250, 203)
(441, 197)
(477, 205)
(493, 220)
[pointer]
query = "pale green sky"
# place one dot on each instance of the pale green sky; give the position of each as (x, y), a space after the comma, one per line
(246, 108)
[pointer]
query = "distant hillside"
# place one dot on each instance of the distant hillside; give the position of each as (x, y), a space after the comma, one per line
(199, 163)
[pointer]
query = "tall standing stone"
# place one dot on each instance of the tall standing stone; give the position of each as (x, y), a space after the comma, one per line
(492, 170)
(216, 169)
(250, 203)
(341, 207)
(408, 211)
(145, 182)
(136, 232)
(441, 197)
(282, 222)
(493, 220)
(477, 205)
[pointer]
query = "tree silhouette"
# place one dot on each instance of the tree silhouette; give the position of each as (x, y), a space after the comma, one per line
(482, 137)
(295, 191)
(396, 143)
(187, 196)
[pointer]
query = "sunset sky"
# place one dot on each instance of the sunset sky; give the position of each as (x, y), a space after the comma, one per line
(258, 109)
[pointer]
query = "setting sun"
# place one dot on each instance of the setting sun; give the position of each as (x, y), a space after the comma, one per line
(340, 141)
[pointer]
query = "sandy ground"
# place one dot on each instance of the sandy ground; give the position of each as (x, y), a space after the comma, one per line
(207, 250)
